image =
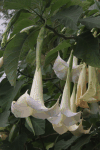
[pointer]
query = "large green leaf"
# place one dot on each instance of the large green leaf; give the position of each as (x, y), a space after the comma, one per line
(65, 144)
(38, 125)
(23, 20)
(17, 4)
(22, 24)
(31, 57)
(19, 142)
(29, 44)
(69, 17)
(91, 22)
(11, 56)
(16, 16)
(8, 93)
(87, 48)
(84, 4)
(57, 4)
(81, 141)
(4, 118)
(29, 125)
(96, 5)
(51, 55)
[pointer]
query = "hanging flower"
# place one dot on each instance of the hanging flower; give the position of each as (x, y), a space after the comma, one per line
(33, 104)
(59, 125)
(61, 68)
(35, 100)
(68, 118)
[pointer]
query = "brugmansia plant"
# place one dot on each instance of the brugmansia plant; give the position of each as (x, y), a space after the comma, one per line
(50, 75)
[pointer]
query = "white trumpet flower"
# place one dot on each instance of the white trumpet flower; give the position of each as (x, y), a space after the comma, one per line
(58, 122)
(70, 118)
(67, 119)
(33, 104)
(61, 68)
(35, 100)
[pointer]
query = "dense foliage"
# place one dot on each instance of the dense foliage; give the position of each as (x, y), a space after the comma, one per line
(69, 24)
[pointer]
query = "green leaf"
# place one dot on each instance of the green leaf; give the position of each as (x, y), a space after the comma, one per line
(87, 48)
(57, 4)
(65, 144)
(17, 4)
(19, 142)
(18, 16)
(11, 23)
(97, 4)
(50, 55)
(91, 22)
(29, 123)
(8, 93)
(4, 118)
(49, 145)
(84, 4)
(38, 125)
(31, 57)
(93, 7)
(69, 17)
(22, 24)
(11, 56)
(29, 44)
(81, 141)
(13, 132)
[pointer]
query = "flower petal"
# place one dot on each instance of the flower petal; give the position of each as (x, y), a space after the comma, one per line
(21, 111)
(77, 130)
(56, 119)
(53, 111)
(76, 72)
(61, 68)
(60, 128)
(70, 118)
(20, 108)
(39, 114)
